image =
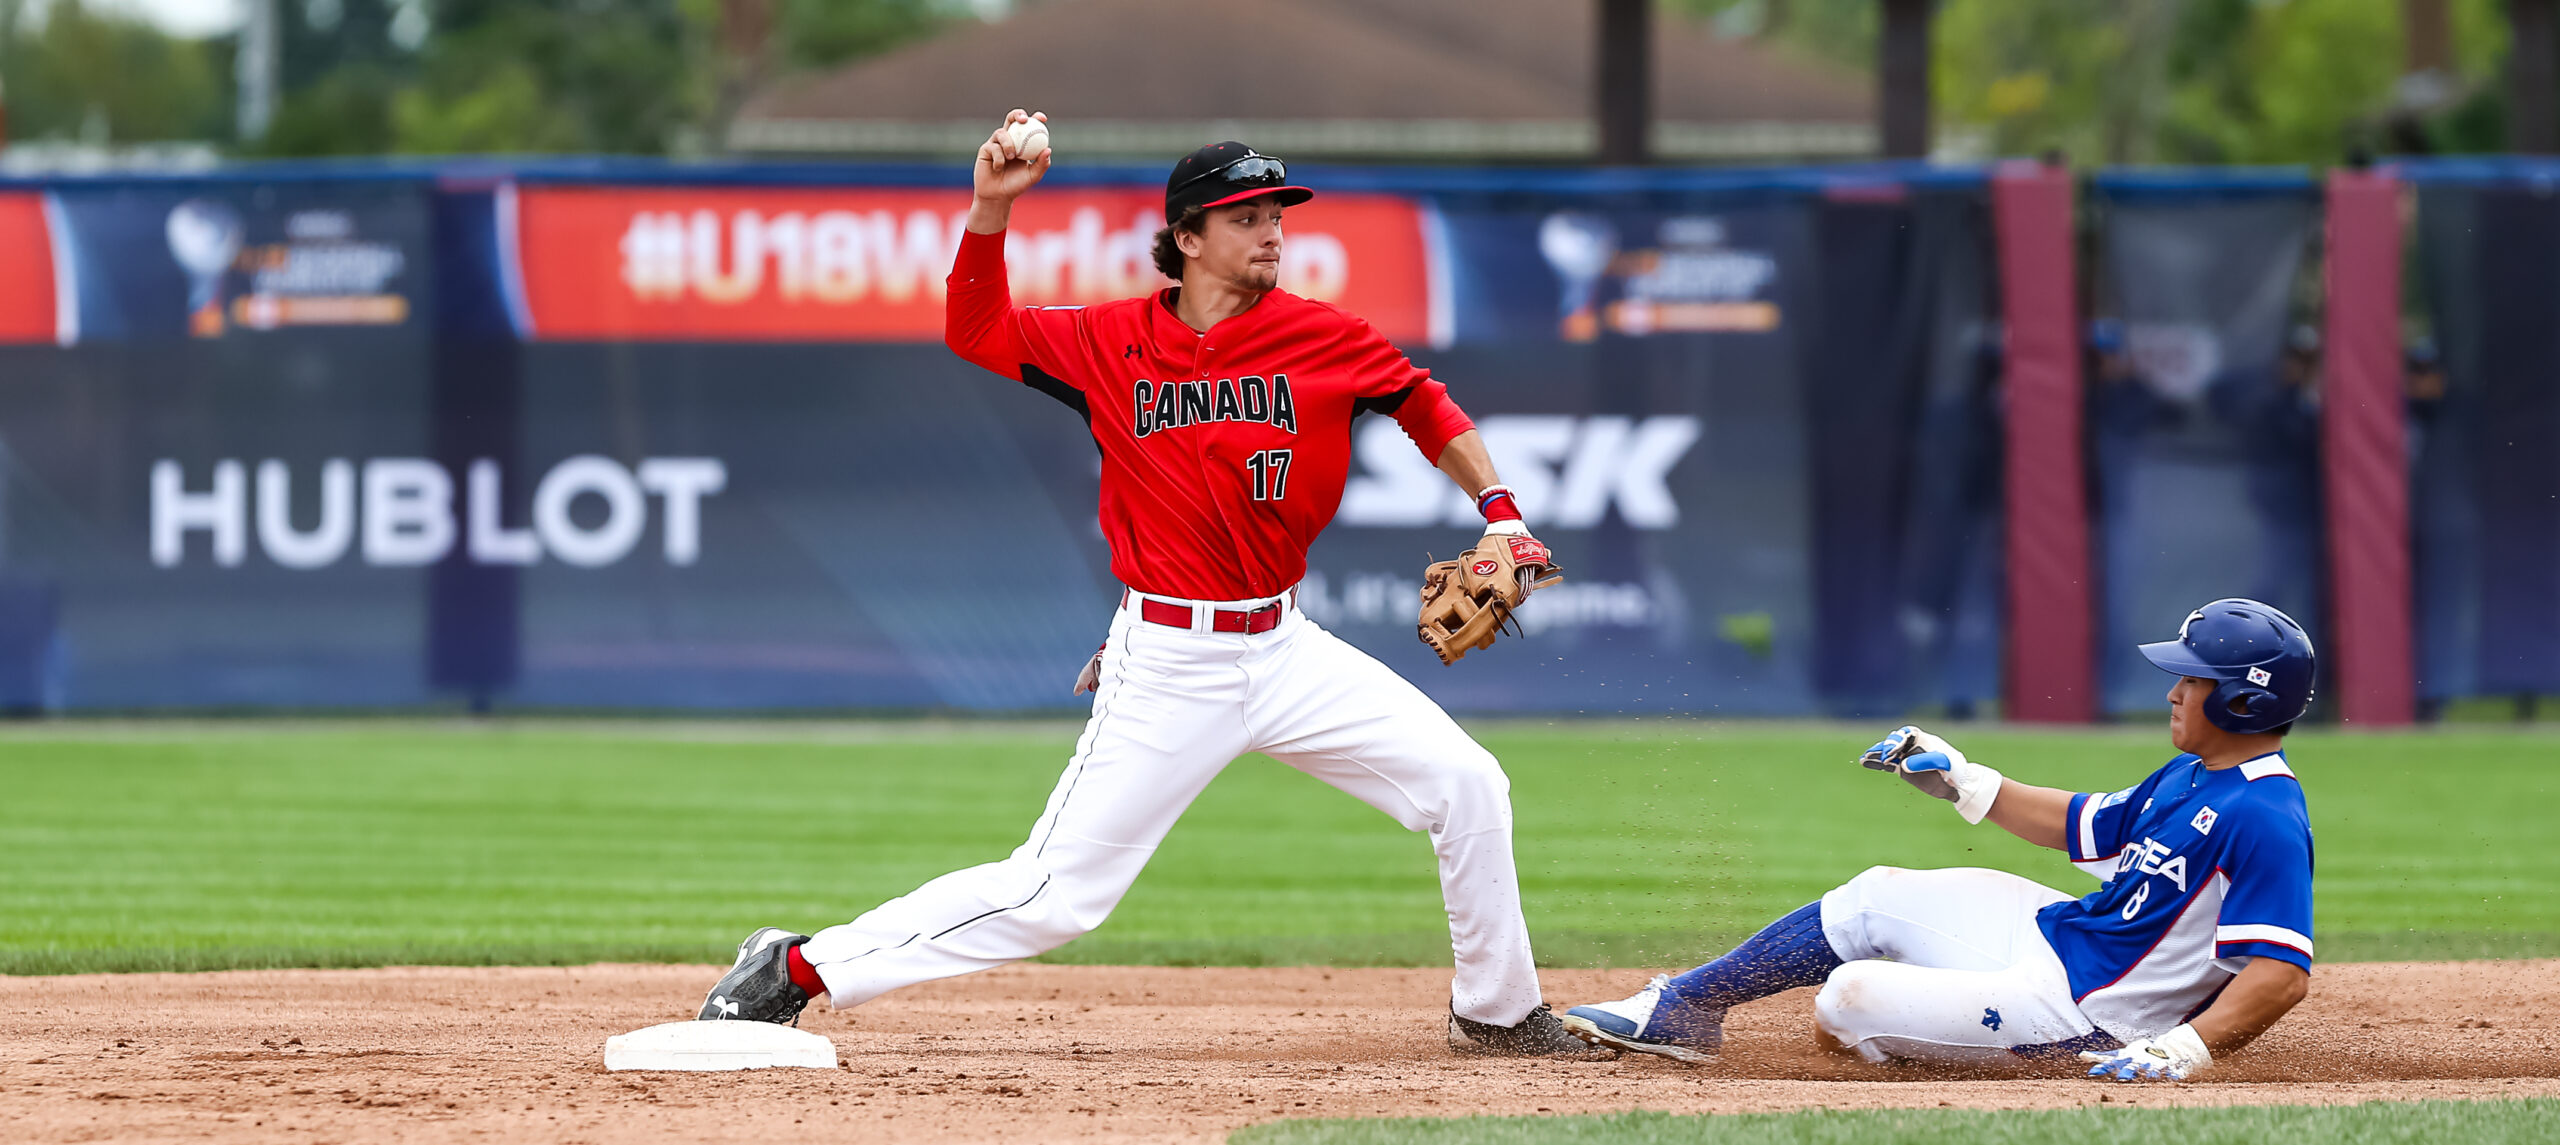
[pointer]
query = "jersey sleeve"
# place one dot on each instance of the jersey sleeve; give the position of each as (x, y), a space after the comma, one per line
(2096, 823)
(981, 324)
(1391, 384)
(2267, 911)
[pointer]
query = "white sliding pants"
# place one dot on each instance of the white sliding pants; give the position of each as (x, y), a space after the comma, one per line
(1174, 708)
(1944, 966)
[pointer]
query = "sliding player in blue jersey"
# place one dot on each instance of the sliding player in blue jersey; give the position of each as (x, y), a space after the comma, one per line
(2199, 940)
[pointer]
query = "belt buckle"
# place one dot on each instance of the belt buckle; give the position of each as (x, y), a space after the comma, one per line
(1255, 622)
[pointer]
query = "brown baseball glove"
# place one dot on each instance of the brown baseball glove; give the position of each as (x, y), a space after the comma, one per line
(1466, 602)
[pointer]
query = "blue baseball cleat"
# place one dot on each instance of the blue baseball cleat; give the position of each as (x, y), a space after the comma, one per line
(1639, 1025)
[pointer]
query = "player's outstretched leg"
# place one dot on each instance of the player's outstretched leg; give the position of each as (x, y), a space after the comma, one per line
(1166, 720)
(1331, 711)
(1683, 1016)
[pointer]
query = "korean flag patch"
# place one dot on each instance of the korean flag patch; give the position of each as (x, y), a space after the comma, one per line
(2203, 822)
(2260, 676)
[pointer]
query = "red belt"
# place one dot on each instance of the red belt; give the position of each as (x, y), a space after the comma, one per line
(1258, 620)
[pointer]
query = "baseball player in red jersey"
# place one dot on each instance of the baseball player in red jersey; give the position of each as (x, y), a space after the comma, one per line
(1223, 410)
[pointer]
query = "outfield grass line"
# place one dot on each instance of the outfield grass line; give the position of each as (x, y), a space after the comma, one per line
(2496, 1122)
(673, 729)
(168, 960)
(1636, 847)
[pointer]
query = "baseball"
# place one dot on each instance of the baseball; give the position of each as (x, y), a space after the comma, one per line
(1029, 138)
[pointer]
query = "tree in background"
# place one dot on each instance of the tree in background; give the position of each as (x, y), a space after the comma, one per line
(639, 76)
(2104, 81)
(360, 77)
(340, 66)
(100, 76)
(555, 75)
(2180, 81)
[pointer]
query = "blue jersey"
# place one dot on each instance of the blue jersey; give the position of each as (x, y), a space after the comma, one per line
(2204, 871)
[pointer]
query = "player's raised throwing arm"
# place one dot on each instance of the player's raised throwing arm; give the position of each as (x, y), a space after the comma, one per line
(1002, 173)
(979, 320)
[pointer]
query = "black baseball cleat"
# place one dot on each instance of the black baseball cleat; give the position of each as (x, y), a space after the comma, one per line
(1540, 1035)
(758, 986)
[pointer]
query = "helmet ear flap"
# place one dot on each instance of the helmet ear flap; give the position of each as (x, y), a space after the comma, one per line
(2238, 707)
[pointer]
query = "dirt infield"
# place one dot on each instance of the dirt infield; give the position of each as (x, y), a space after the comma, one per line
(1066, 1053)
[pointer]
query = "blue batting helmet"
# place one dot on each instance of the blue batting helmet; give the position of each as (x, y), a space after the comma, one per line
(2260, 656)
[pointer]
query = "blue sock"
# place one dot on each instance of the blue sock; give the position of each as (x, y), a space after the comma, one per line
(1788, 953)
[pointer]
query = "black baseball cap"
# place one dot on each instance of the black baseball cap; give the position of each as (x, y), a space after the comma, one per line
(1224, 173)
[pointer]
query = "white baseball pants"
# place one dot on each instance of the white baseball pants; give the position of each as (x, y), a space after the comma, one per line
(1944, 966)
(1173, 709)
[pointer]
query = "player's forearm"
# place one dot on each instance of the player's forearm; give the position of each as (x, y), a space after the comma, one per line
(2039, 815)
(990, 216)
(2265, 991)
(978, 305)
(1468, 463)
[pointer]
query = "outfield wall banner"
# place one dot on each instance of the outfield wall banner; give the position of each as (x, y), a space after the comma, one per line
(219, 489)
(878, 499)
(787, 264)
(148, 263)
(2203, 416)
(385, 443)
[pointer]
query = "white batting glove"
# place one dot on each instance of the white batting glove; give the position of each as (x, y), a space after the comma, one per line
(1935, 766)
(2173, 1056)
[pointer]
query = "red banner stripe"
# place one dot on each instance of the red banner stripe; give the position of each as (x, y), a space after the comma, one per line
(2364, 437)
(2052, 666)
(867, 264)
(27, 304)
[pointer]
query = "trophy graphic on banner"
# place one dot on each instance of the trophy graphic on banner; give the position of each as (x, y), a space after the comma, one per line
(1578, 247)
(204, 236)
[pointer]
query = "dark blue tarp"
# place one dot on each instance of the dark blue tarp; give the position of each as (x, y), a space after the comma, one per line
(2202, 413)
(2485, 488)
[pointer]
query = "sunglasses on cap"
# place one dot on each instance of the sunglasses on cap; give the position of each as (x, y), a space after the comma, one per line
(1228, 172)
(1250, 171)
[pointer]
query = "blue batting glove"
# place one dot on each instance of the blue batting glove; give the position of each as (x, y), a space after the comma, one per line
(1885, 754)
(1889, 754)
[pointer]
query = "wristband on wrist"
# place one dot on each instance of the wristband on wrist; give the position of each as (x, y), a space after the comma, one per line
(2188, 1046)
(1497, 504)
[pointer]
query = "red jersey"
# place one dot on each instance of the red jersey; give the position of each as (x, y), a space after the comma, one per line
(1223, 453)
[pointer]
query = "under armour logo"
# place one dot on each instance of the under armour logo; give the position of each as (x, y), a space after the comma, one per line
(1991, 1018)
(1131, 352)
(727, 1008)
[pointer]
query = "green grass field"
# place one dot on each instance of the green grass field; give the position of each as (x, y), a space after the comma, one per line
(2427, 1122)
(207, 845)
